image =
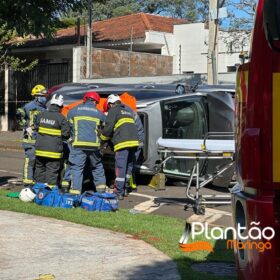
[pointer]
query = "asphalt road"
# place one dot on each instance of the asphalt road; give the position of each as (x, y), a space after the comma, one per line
(172, 199)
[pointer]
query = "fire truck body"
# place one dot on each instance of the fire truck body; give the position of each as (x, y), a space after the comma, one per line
(258, 148)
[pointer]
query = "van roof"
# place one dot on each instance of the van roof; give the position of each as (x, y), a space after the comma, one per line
(144, 93)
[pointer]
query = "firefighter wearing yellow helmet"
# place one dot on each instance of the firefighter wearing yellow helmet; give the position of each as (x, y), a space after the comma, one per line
(26, 117)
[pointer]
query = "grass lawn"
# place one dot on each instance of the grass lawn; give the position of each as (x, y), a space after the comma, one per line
(161, 232)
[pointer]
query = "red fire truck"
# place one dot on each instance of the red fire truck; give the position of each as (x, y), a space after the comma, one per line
(258, 144)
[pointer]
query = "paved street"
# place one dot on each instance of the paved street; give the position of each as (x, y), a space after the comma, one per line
(174, 198)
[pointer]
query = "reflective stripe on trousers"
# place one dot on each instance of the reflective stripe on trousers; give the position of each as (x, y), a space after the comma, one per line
(29, 164)
(124, 161)
(77, 162)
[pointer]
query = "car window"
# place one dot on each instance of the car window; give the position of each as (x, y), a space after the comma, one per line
(183, 119)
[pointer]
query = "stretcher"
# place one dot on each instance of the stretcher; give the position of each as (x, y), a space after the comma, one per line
(197, 150)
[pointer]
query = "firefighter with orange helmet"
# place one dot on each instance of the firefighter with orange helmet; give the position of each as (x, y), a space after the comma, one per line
(85, 121)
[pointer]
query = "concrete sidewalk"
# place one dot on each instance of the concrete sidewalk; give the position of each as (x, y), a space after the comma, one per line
(32, 245)
(11, 140)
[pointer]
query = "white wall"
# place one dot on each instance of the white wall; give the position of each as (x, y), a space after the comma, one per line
(193, 39)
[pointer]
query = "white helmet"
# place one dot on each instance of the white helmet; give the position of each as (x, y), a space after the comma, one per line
(57, 99)
(112, 98)
(27, 195)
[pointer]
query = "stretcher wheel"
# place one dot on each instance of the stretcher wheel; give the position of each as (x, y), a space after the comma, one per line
(199, 210)
(199, 207)
(157, 168)
(187, 206)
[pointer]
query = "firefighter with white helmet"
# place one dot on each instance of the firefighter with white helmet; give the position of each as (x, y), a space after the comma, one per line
(53, 129)
(121, 130)
(26, 117)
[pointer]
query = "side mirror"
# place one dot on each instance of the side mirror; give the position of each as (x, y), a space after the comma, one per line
(180, 89)
(271, 16)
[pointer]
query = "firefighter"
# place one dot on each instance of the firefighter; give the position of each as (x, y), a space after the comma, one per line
(85, 121)
(121, 129)
(26, 117)
(141, 138)
(53, 129)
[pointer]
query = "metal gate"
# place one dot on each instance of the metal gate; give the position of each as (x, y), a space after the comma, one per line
(21, 84)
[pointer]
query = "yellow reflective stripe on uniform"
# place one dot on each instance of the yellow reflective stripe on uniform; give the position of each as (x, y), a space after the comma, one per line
(123, 121)
(25, 174)
(50, 131)
(30, 141)
(86, 118)
(126, 144)
(27, 181)
(104, 138)
(65, 183)
(76, 125)
(32, 115)
(89, 144)
(74, 191)
(48, 154)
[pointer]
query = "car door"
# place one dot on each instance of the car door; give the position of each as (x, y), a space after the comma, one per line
(183, 118)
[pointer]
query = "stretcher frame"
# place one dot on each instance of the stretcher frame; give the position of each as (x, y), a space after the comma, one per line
(198, 201)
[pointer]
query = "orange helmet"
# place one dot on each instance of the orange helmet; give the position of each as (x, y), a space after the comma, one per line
(105, 107)
(92, 95)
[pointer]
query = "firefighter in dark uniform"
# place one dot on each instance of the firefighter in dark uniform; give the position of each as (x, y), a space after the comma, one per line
(85, 121)
(120, 128)
(26, 117)
(141, 138)
(53, 129)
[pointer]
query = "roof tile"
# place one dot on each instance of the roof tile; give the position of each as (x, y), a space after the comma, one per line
(122, 28)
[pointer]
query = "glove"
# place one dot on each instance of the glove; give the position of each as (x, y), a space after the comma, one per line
(104, 145)
(29, 130)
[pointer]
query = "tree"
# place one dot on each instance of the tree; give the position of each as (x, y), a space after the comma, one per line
(8, 39)
(239, 24)
(102, 10)
(34, 16)
(193, 10)
(20, 18)
(115, 8)
(241, 14)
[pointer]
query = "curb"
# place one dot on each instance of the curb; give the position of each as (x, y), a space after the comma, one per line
(10, 148)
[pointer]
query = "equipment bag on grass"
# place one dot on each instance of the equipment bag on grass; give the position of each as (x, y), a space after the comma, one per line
(53, 198)
(92, 201)
(38, 186)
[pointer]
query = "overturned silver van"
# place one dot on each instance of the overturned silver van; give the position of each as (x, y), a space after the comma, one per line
(169, 113)
(183, 116)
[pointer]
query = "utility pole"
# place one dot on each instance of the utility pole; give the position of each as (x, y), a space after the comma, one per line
(89, 41)
(212, 42)
(130, 52)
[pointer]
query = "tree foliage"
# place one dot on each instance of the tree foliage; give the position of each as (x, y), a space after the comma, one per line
(193, 10)
(241, 14)
(29, 17)
(239, 24)
(34, 16)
